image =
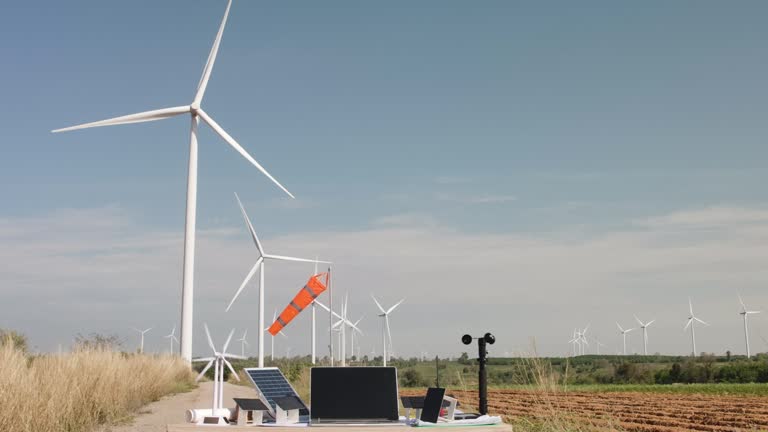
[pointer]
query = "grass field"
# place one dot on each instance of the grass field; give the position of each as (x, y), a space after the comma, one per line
(81, 390)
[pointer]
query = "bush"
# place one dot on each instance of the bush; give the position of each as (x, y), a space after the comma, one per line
(14, 339)
(412, 378)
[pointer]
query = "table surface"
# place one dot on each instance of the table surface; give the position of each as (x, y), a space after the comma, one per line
(192, 427)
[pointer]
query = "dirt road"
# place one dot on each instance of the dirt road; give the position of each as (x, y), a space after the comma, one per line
(155, 416)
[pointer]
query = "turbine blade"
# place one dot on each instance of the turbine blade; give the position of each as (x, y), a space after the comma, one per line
(690, 305)
(205, 369)
(650, 322)
(620, 329)
(211, 58)
(283, 334)
(202, 359)
(287, 258)
(141, 117)
(235, 356)
(741, 301)
(389, 332)
(250, 226)
(638, 320)
(396, 305)
(231, 141)
(245, 281)
(229, 365)
(229, 339)
(690, 320)
(700, 321)
(379, 305)
(208, 334)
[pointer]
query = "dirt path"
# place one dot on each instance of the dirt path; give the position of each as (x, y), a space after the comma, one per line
(155, 416)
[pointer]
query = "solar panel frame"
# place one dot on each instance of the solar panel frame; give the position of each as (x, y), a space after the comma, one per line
(272, 381)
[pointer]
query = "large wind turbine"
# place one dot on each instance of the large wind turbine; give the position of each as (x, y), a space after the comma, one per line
(338, 323)
(260, 263)
(744, 313)
(691, 319)
(197, 113)
(385, 331)
(644, 326)
(624, 335)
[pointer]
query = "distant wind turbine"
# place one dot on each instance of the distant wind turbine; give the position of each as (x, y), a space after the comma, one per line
(624, 336)
(644, 326)
(691, 319)
(261, 263)
(196, 112)
(172, 337)
(744, 313)
(143, 332)
(243, 343)
(386, 333)
(272, 352)
(582, 336)
(599, 344)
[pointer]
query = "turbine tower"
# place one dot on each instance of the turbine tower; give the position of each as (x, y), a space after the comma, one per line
(260, 263)
(624, 336)
(744, 313)
(143, 332)
(385, 330)
(644, 326)
(196, 112)
(691, 319)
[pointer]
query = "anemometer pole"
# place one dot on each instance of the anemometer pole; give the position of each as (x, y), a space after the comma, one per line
(482, 359)
(330, 313)
(187, 290)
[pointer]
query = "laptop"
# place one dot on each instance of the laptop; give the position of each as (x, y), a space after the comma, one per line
(353, 396)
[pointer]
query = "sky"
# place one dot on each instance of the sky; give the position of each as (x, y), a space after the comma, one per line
(522, 168)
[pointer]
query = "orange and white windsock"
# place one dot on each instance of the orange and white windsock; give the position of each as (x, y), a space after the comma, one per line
(304, 298)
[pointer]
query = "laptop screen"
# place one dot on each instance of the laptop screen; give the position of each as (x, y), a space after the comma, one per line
(351, 394)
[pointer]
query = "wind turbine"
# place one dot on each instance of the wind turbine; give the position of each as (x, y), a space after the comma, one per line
(352, 337)
(599, 344)
(260, 263)
(575, 342)
(338, 323)
(218, 361)
(143, 332)
(243, 343)
(744, 313)
(272, 352)
(385, 330)
(624, 335)
(691, 319)
(172, 337)
(583, 337)
(644, 326)
(196, 113)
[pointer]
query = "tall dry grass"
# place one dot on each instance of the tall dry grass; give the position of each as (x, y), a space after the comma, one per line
(78, 391)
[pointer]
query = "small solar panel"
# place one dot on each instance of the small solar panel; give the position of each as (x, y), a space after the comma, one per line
(289, 402)
(271, 384)
(251, 404)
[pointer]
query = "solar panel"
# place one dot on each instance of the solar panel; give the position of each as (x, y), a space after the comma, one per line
(271, 384)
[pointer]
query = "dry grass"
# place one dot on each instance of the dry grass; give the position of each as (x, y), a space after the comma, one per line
(78, 391)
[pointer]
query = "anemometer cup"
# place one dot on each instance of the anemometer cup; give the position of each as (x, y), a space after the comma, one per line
(466, 339)
(489, 338)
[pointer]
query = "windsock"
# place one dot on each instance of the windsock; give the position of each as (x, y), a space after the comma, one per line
(304, 298)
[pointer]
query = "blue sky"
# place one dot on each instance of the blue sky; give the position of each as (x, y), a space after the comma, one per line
(524, 123)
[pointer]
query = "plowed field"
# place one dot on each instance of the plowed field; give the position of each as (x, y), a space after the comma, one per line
(642, 412)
